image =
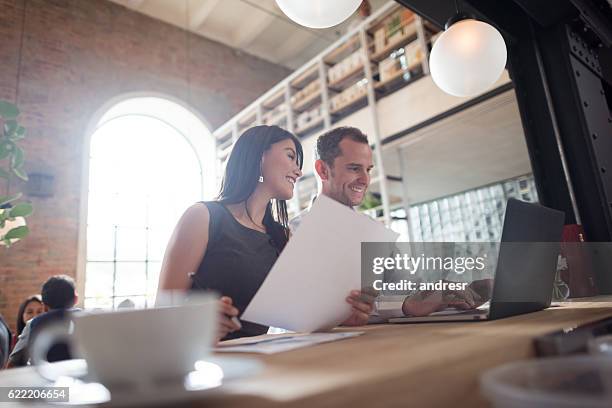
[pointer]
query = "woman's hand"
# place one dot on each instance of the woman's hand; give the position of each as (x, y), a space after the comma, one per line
(362, 305)
(226, 312)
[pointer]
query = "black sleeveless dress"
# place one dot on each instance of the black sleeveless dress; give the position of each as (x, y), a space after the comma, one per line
(236, 262)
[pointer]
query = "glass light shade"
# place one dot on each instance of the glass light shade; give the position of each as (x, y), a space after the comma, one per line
(318, 13)
(9, 225)
(467, 58)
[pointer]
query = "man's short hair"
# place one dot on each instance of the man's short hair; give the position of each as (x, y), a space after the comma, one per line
(328, 144)
(58, 292)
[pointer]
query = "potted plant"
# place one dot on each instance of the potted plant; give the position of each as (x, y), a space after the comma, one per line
(12, 213)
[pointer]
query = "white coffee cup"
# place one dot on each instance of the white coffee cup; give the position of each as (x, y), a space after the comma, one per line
(135, 348)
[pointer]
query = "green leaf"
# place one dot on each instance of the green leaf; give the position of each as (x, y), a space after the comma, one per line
(6, 148)
(8, 110)
(19, 134)
(4, 215)
(10, 126)
(21, 210)
(19, 173)
(17, 159)
(3, 173)
(8, 199)
(17, 233)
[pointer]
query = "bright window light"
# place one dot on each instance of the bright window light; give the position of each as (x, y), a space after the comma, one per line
(150, 159)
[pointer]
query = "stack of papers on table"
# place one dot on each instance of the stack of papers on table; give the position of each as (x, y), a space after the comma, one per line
(277, 343)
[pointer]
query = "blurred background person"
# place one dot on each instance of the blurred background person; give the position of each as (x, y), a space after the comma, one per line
(58, 297)
(5, 342)
(29, 309)
(126, 304)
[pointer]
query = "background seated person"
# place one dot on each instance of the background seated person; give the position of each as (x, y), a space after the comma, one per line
(59, 297)
(29, 309)
(5, 342)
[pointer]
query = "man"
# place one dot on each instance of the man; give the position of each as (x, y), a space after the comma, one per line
(59, 297)
(343, 165)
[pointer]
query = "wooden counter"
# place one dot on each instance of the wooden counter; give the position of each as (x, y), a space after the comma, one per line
(421, 365)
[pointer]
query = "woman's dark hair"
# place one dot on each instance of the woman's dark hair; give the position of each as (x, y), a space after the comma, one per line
(20, 323)
(242, 173)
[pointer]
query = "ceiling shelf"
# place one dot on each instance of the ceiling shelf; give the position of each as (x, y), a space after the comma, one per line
(247, 119)
(344, 108)
(302, 103)
(223, 137)
(307, 102)
(277, 119)
(342, 51)
(312, 125)
(397, 42)
(348, 79)
(397, 81)
(225, 143)
(380, 21)
(307, 76)
(275, 99)
(391, 80)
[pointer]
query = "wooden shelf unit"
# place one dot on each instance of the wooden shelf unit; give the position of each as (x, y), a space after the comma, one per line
(405, 39)
(275, 99)
(277, 120)
(414, 71)
(247, 120)
(347, 106)
(348, 79)
(342, 50)
(307, 102)
(306, 77)
(392, 79)
(312, 125)
(360, 39)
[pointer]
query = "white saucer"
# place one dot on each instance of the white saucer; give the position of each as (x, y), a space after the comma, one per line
(209, 375)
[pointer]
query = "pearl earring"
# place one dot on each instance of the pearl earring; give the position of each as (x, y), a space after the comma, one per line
(260, 179)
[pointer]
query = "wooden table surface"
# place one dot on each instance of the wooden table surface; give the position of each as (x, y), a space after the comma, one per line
(420, 365)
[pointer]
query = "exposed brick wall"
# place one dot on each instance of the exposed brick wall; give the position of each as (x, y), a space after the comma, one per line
(76, 56)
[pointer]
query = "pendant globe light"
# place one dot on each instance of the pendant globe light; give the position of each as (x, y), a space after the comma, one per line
(318, 13)
(468, 57)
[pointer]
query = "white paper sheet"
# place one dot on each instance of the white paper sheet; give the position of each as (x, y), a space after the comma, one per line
(307, 287)
(270, 344)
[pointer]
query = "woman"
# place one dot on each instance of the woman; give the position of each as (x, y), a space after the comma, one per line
(29, 309)
(233, 242)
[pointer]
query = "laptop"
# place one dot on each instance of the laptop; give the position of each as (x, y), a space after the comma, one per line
(525, 271)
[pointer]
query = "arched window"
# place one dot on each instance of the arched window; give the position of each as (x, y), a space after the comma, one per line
(149, 159)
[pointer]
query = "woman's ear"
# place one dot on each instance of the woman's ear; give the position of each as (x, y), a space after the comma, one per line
(322, 169)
